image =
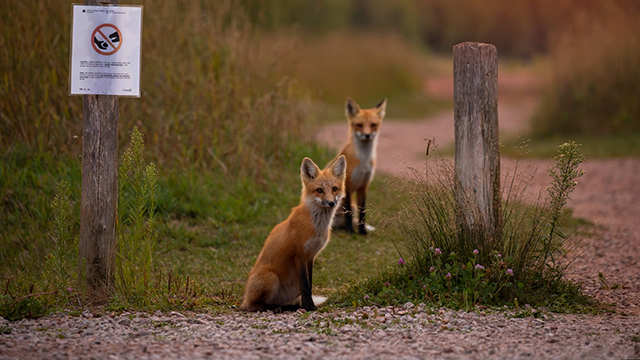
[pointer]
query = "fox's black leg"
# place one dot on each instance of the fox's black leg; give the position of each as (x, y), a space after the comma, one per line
(362, 198)
(310, 272)
(305, 288)
(348, 214)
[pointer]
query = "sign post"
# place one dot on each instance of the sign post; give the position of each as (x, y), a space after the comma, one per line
(105, 64)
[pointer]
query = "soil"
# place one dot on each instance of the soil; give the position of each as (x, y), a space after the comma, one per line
(608, 195)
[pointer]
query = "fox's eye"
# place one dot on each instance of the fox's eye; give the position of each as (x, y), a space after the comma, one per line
(335, 189)
(319, 190)
(359, 126)
(373, 126)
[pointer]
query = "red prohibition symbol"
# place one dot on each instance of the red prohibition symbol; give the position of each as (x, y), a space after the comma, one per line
(106, 39)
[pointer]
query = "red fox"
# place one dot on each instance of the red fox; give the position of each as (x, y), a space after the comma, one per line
(283, 272)
(360, 152)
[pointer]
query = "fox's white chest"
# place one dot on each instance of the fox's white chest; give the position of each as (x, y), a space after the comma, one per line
(363, 173)
(314, 245)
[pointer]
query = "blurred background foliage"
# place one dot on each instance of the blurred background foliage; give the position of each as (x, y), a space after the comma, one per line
(233, 89)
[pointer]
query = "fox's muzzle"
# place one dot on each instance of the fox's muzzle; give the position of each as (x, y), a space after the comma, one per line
(328, 203)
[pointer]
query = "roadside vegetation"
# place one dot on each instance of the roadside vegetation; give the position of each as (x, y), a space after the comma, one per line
(437, 263)
(232, 92)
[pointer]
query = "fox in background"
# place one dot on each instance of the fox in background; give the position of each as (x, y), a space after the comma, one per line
(360, 152)
(283, 272)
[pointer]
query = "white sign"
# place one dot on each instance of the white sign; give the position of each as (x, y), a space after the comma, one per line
(105, 50)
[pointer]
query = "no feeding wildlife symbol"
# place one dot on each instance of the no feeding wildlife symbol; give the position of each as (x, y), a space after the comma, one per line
(106, 39)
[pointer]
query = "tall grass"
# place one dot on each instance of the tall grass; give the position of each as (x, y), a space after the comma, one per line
(366, 67)
(210, 92)
(595, 80)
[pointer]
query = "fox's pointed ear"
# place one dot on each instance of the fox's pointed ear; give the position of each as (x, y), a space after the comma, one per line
(339, 167)
(351, 109)
(381, 108)
(308, 170)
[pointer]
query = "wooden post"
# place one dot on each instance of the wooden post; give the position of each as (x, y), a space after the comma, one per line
(99, 197)
(477, 158)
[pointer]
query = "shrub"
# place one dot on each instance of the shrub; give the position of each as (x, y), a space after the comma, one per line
(440, 265)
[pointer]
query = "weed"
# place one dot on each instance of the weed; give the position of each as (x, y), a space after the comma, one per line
(136, 220)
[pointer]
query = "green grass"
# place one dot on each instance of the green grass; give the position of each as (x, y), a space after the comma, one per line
(211, 228)
(593, 147)
(605, 146)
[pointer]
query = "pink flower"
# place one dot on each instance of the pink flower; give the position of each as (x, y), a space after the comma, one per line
(448, 276)
(475, 252)
(509, 272)
(438, 252)
(69, 289)
(479, 267)
(387, 284)
(499, 255)
(432, 269)
(464, 266)
(401, 262)
(366, 297)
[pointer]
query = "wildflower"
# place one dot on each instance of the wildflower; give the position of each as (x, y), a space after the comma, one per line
(464, 266)
(424, 286)
(479, 267)
(401, 262)
(387, 284)
(499, 255)
(448, 276)
(366, 297)
(69, 289)
(475, 252)
(509, 272)
(438, 252)
(432, 269)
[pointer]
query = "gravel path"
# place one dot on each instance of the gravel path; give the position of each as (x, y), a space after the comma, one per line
(364, 333)
(609, 195)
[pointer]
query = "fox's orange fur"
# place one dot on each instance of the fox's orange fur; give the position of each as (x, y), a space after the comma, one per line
(360, 152)
(284, 269)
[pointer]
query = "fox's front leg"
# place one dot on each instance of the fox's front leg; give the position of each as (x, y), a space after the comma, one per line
(362, 199)
(306, 276)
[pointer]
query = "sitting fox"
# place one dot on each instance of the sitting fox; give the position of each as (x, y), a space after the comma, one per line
(360, 152)
(283, 273)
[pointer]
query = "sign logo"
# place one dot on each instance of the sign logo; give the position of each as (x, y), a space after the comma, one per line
(106, 39)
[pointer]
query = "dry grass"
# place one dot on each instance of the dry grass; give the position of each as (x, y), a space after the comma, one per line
(365, 66)
(595, 80)
(210, 93)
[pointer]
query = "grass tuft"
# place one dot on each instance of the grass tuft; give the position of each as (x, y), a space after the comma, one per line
(440, 265)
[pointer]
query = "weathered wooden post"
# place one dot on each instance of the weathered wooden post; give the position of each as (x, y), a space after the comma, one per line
(99, 197)
(477, 159)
